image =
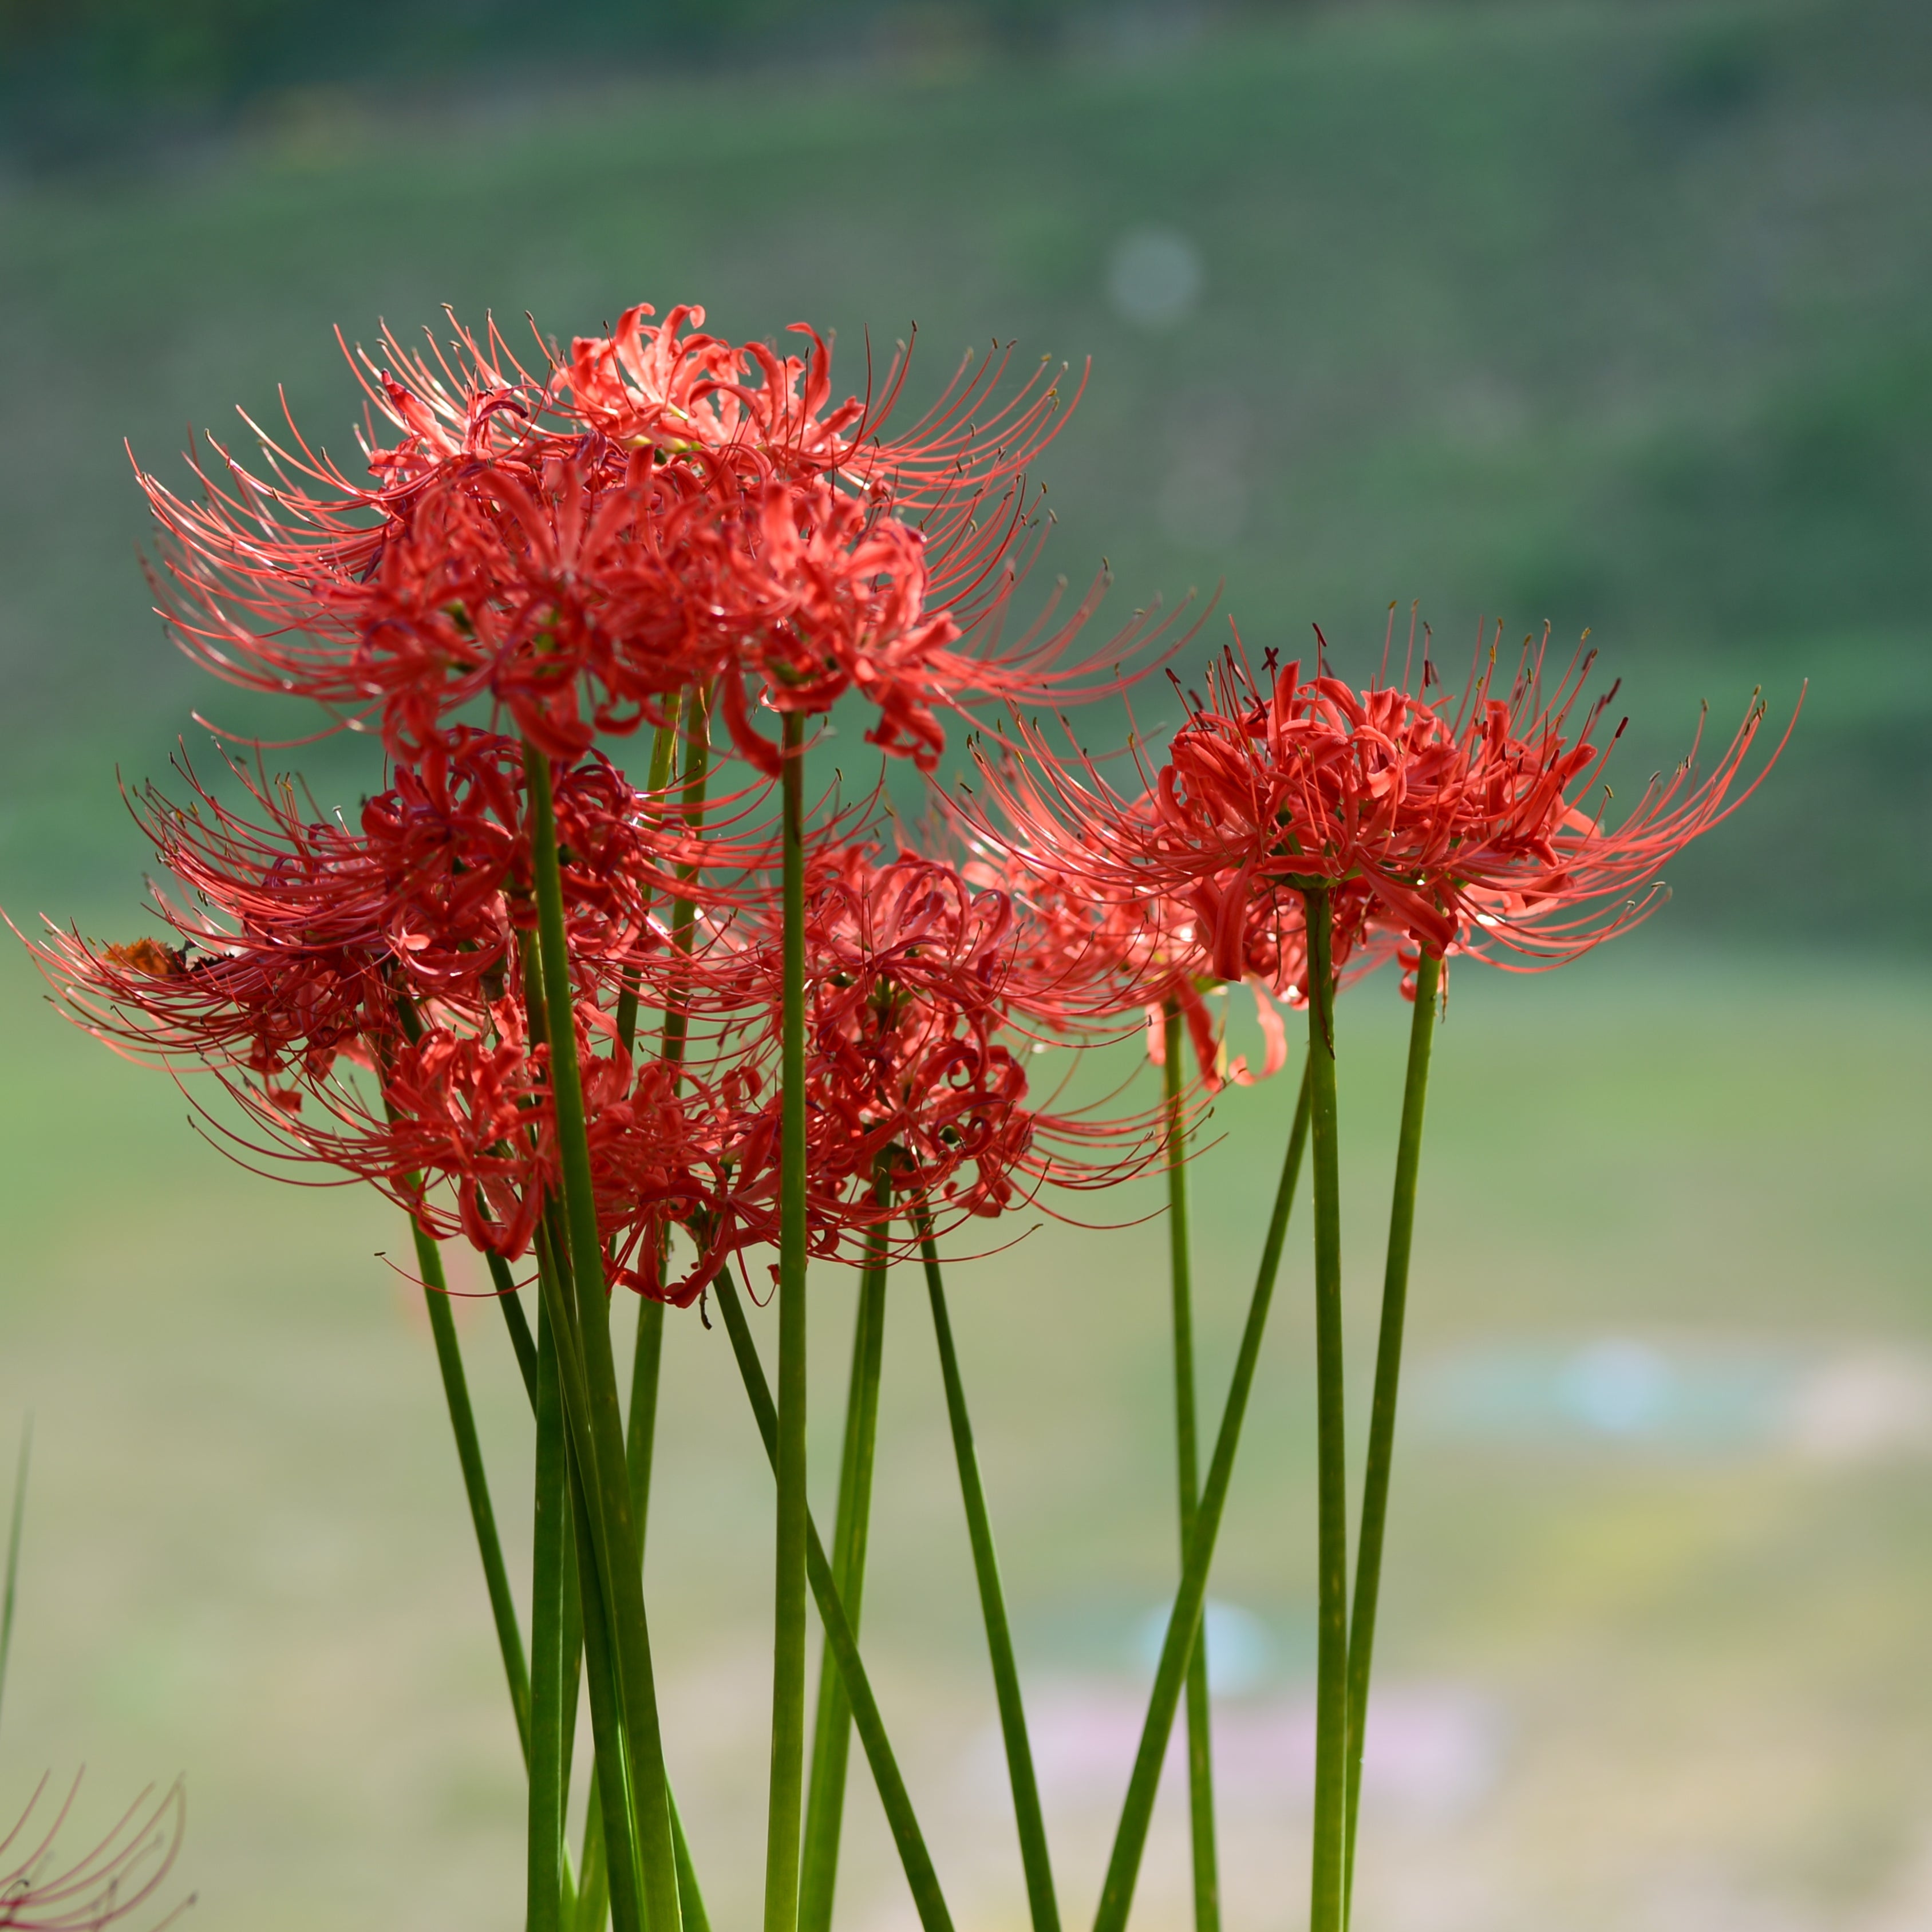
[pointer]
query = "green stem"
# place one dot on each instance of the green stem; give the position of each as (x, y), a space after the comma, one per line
(788, 1764)
(832, 1727)
(894, 1800)
(19, 1516)
(521, 1343)
(1331, 1669)
(610, 1798)
(1183, 1623)
(1034, 1858)
(550, 1552)
(1200, 1751)
(475, 1482)
(606, 1877)
(597, 1431)
(1388, 1374)
(696, 1918)
(593, 1896)
(641, 1428)
(664, 751)
(640, 1435)
(587, 1910)
(647, 1355)
(684, 911)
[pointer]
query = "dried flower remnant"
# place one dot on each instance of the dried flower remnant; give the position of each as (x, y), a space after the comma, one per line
(40, 1891)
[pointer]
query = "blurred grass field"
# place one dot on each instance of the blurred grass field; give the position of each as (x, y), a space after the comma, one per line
(1658, 1681)
(1609, 314)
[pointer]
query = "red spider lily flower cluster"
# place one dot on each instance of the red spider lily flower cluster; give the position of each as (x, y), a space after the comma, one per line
(1451, 825)
(362, 993)
(661, 528)
(641, 1030)
(362, 997)
(657, 528)
(659, 511)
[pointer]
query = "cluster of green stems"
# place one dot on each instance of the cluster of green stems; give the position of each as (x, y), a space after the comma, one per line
(588, 1627)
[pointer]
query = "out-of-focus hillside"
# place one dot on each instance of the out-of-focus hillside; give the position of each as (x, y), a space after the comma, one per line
(1609, 315)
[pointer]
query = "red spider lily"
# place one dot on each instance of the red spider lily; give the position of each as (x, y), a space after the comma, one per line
(654, 385)
(297, 937)
(914, 1055)
(1103, 940)
(459, 1128)
(575, 552)
(306, 952)
(118, 1878)
(1457, 828)
(905, 969)
(1082, 958)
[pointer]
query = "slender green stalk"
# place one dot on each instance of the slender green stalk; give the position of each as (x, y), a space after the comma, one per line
(594, 1900)
(588, 1905)
(19, 1516)
(1200, 1748)
(1034, 1858)
(647, 1355)
(475, 1482)
(788, 1768)
(551, 1551)
(1388, 1374)
(521, 1343)
(832, 1726)
(573, 1677)
(894, 1800)
(593, 1895)
(607, 1713)
(470, 1452)
(611, 1856)
(640, 1426)
(695, 1916)
(1331, 1668)
(596, 1896)
(684, 911)
(640, 1434)
(663, 752)
(1183, 1622)
(598, 1430)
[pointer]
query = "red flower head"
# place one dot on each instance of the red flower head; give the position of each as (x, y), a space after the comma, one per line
(1529, 871)
(298, 940)
(1073, 850)
(1447, 827)
(461, 1132)
(916, 1048)
(360, 995)
(1081, 961)
(661, 511)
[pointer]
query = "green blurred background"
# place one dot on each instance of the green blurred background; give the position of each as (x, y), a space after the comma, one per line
(1609, 315)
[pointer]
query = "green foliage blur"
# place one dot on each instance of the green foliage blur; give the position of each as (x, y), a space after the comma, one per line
(105, 74)
(1609, 314)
